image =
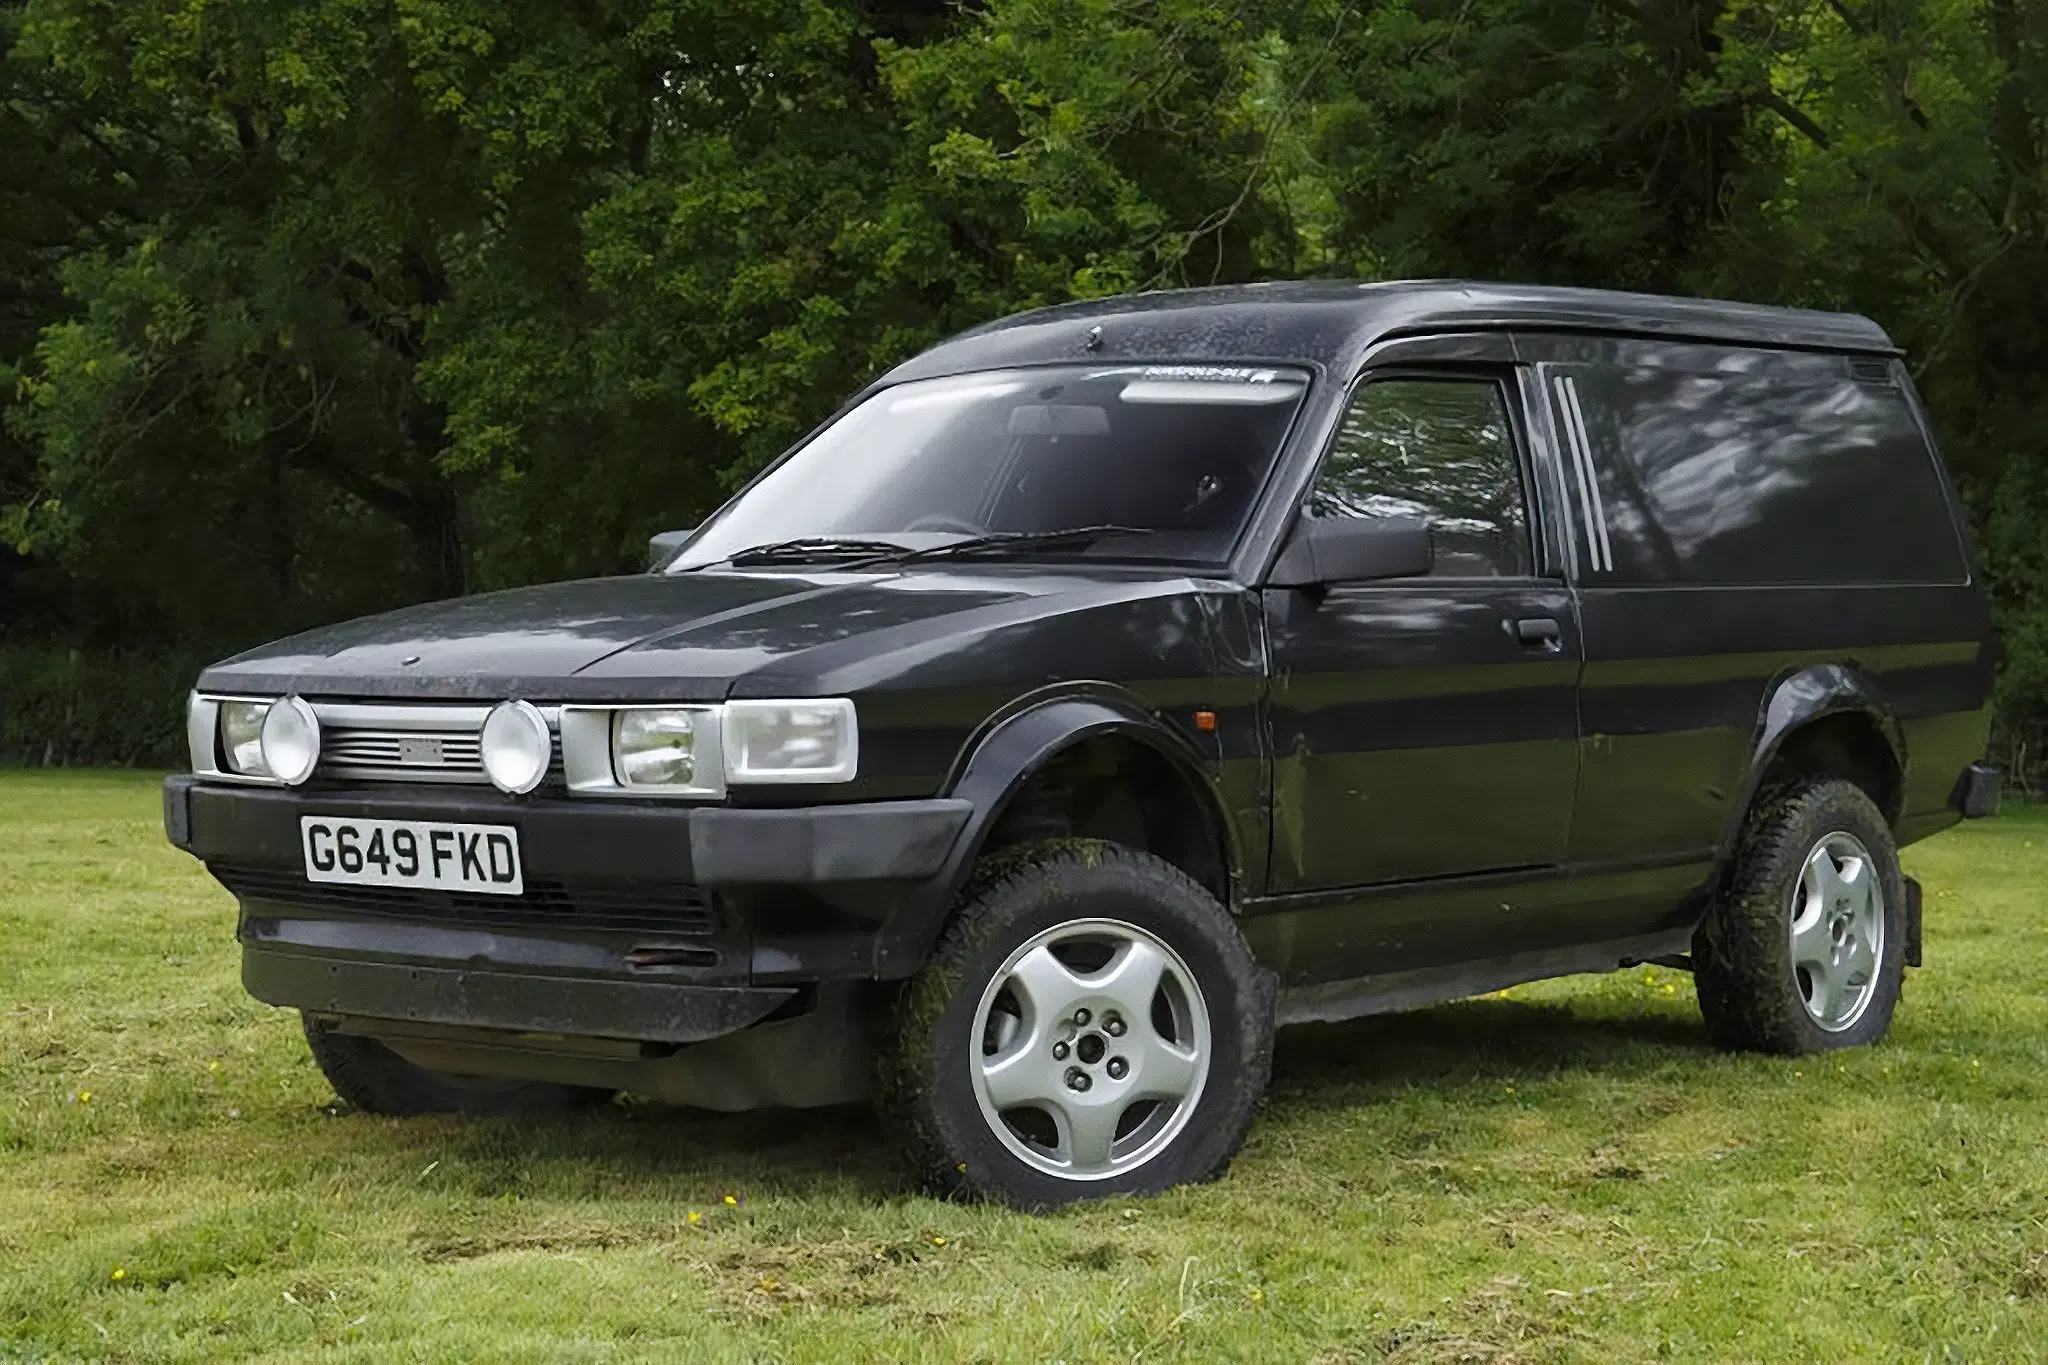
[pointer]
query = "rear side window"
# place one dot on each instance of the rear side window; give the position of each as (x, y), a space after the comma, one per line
(1440, 449)
(1750, 478)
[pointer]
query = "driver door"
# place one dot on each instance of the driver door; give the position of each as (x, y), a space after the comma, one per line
(1426, 728)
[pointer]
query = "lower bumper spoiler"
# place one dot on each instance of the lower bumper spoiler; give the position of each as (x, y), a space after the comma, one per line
(647, 1011)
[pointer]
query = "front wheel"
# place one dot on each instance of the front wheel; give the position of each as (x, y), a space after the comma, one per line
(1091, 1023)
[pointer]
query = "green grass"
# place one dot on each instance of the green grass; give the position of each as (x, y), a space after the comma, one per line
(1565, 1174)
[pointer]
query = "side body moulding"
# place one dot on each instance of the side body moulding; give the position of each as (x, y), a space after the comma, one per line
(1008, 755)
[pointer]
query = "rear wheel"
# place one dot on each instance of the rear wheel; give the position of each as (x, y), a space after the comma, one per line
(369, 1076)
(1804, 952)
(1091, 1023)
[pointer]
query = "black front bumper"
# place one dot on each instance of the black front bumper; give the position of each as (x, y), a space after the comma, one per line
(639, 920)
(710, 846)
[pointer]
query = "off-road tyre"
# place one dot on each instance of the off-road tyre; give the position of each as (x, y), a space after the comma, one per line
(925, 1087)
(1742, 956)
(371, 1078)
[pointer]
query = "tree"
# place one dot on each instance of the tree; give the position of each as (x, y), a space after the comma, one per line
(1537, 140)
(318, 307)
(1899, 171)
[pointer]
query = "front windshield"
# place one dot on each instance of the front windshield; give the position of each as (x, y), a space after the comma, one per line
(1175, 452)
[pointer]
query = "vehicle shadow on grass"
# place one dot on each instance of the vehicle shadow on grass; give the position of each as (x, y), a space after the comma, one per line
(635, 1147)
(1481, 1039)
(849, 1152)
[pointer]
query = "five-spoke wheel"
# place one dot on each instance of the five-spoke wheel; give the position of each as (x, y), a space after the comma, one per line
(1837, 930)
(1094, 1047)
(1091, 1023)
(1803, 950)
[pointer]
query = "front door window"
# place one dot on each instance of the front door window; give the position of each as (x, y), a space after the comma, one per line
(1440, 449)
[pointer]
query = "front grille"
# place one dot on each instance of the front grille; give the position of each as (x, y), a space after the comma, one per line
(659, 908)
(407, 755)
(438, 742)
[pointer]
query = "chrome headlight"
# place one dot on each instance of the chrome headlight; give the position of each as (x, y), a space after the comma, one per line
(516, 746)
(263, 740)
(241, 737)
(642, 750)
(658, 747)
(791, 741)
(698, 749)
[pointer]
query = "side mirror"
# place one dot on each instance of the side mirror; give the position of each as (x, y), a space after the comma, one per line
(1352, 550)
(665, 546)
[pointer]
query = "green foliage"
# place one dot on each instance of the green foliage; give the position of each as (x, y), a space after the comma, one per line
(317, 307)
(1540, 140)
(63, 707)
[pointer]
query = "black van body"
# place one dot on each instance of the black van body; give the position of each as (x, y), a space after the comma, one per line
(1477, 756)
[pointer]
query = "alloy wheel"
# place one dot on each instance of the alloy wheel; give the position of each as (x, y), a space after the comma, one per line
(1837, 931)
(1093, 1046)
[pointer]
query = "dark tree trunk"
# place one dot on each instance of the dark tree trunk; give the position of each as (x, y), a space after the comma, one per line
(435, 523)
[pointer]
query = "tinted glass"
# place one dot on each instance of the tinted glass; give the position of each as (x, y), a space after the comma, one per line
(1179, 451)
(1440, 449)
(1730, 478)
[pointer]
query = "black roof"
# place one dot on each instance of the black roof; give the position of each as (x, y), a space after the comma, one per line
(1333, 323)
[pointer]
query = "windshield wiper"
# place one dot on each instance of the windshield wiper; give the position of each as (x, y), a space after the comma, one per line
(1007, 542)
(858, 553)
(809, 548)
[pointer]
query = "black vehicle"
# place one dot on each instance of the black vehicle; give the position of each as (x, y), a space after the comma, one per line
(1111, 684)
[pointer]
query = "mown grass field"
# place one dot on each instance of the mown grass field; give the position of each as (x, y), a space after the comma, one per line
(1565, 1174)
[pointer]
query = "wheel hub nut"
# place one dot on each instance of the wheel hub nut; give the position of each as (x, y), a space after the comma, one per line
(1059, 1052)
(1077, 1079)
(1113, 1025)
(1081, 1018)
(1118, 1068)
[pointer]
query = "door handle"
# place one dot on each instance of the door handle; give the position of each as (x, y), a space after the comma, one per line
(1540, 633)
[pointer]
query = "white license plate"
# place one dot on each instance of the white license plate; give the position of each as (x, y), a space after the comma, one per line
(412, 853)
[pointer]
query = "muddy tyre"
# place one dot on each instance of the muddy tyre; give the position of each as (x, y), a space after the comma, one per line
(370, 1077)
(1805, 950)
(1090, 1024)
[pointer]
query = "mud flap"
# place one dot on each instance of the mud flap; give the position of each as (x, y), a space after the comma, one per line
(1912, 922)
